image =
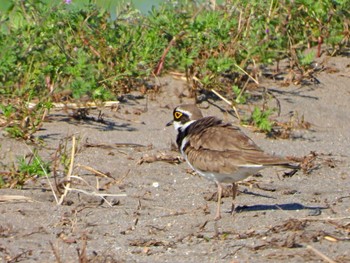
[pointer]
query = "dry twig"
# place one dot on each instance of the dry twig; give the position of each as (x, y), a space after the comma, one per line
(14, 198)
(69, 172)
(54, 250)
(228, 102)
(85, 105)
(98, 173)
(245, 72)
(320, 254)
(164, 157)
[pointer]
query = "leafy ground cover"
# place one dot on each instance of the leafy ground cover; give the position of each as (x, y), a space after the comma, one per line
(61, 52)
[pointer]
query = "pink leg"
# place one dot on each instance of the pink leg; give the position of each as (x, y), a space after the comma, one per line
(218, 212)
(234, 193)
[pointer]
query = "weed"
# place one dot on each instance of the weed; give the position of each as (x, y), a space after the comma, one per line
(7, 110)
(35, 166)
(307, 59)
(261, 119)
(241, 97)
(25, 168)
(21, 121)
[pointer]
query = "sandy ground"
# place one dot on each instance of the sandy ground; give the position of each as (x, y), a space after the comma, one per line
(156, 211)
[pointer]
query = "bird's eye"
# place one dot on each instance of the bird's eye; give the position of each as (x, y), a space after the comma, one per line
(177, 115)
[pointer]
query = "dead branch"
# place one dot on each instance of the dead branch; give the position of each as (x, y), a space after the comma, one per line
(69, 172)
(74, 106)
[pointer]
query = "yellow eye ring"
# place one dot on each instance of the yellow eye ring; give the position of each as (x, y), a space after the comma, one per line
(177, 115)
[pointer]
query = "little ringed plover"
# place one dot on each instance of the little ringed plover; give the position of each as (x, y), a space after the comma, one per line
(219, 151)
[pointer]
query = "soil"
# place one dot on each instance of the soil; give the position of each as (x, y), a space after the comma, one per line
(133, 199)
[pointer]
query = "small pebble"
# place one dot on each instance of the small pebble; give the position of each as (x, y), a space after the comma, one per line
(315, 212)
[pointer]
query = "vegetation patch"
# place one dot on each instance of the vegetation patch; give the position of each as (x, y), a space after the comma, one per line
(60, 51)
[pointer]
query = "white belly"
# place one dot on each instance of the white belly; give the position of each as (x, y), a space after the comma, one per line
(241, 174)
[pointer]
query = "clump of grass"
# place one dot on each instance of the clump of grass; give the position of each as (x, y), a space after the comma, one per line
(240, 96)
(34, 166)
(261, 119)
(24, 169)
(21, 121)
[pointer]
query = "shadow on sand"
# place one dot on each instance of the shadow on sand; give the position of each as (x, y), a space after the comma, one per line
(283, 207)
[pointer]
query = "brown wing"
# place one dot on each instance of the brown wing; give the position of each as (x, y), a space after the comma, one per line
(222, 148)
(211, 133)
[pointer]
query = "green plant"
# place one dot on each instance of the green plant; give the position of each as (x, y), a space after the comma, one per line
(22, 121)
(7, 110)
(23, 169)
(261, 119)
(35, 166)
(306, 59)
(241, 97)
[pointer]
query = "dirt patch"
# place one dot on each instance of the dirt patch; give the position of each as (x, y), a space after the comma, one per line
(136, 200)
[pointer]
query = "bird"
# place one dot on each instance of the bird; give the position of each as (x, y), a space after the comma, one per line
(220, 152)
